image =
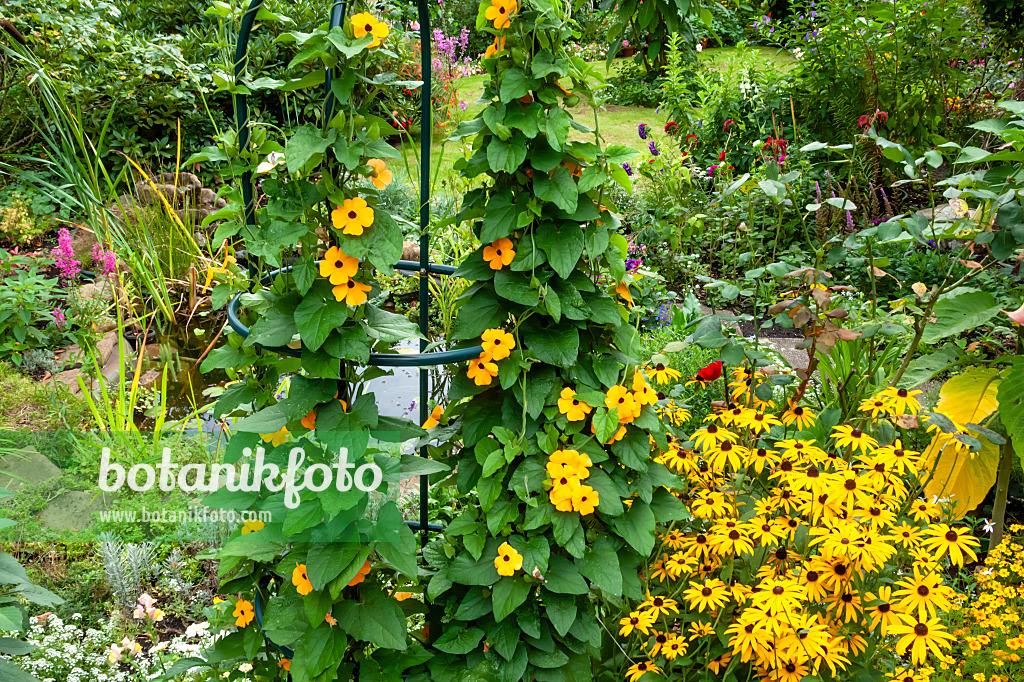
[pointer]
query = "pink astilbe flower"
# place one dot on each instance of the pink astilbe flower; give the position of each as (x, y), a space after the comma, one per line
(106, 259)
(67, 264)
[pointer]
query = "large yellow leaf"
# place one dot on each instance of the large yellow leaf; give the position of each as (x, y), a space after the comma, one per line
(966, 477)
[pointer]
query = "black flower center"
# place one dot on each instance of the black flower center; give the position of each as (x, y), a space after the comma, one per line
(352, 215)
(951, 536)
(923, 590)
(851, 484)
(778, 589)
(902, 393)
(706, 592)
(921, 630)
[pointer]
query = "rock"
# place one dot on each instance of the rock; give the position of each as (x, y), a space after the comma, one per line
(151, 194)
(74, 510)
(410, 251)
(107, 347)
(209, 199)
(99, 288)
(70, 379)
(186, 180)
(26, 469)
(71, 354)
(81, 243)
(148, 378)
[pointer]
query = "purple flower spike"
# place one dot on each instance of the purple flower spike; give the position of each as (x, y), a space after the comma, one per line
(654, 150)
(642, 131)
(625, 167)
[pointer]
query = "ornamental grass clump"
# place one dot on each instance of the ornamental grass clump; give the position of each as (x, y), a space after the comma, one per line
(808, 551)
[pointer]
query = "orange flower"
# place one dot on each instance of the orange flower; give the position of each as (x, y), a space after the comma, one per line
(500, 11)
(623, 291)
(380, 176)
(496, 47)
(435, 414)
(285, 663)
(337, 266)
(301, 580)
(353, 216)
(498, 343)
(309, 421)
(361, 575)
(365, 23)
(482, 370)
(244, 613)
(330, 619)
(351, 293)
(499, 253)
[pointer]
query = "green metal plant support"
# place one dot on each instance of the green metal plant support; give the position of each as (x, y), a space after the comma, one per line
(423, 360)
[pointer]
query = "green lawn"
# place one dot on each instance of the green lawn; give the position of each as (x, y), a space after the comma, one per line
(617, 124)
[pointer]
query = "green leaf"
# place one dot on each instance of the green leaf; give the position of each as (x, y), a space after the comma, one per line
(636, 527)
(923, 368)
(325, 561)
(559, 189)
(557, 128)
(959, 314)
(1011, 404)
(508, 594)
(459, 641)
(516, 84)
(515, 286)
(506, 156)
(562, 576)
(305, 143)
(378, 620)
(12, 673)
(600, 565)
(390, 327)
(316, 317)
(561, 610)
(401, 554)
(562, 243)
(499, 218)
(556, 344)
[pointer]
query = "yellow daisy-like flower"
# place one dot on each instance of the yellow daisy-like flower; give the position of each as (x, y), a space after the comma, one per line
(353, 216)
(498, 343)
(499, 253)
(482, 370)
(380, 176)
(846, 435)
(876, 407)
(508, 561)
(497, 46)
(351, 293)
(637, 620)
(500, 11)
(638, 670)
(901, 401)
(277, 437)
(337, 266)
(801, 416)
(663, 374)
(642, 393)
(367, 24)
(574, 409)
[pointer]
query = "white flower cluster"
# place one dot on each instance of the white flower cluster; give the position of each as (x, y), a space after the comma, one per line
(67, 652)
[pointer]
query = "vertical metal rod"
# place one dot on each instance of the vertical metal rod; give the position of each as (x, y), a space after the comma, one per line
(426, 129)
(242, 104)
(337, 16)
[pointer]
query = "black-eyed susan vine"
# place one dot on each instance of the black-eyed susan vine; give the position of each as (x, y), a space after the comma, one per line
(553, 426)
(315, 587)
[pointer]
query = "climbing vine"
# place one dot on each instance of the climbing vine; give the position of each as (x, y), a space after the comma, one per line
(553, 425)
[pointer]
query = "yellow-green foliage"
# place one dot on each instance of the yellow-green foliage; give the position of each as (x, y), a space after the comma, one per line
(17, 224)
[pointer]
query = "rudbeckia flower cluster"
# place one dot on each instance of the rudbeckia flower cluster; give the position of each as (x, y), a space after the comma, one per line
(807, 553)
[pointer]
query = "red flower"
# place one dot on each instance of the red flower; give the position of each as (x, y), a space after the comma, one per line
(728, 124)
(863, 121)
(671, 127)
(691, 139)
(721, 156)
(711, 372)
(882, 115)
